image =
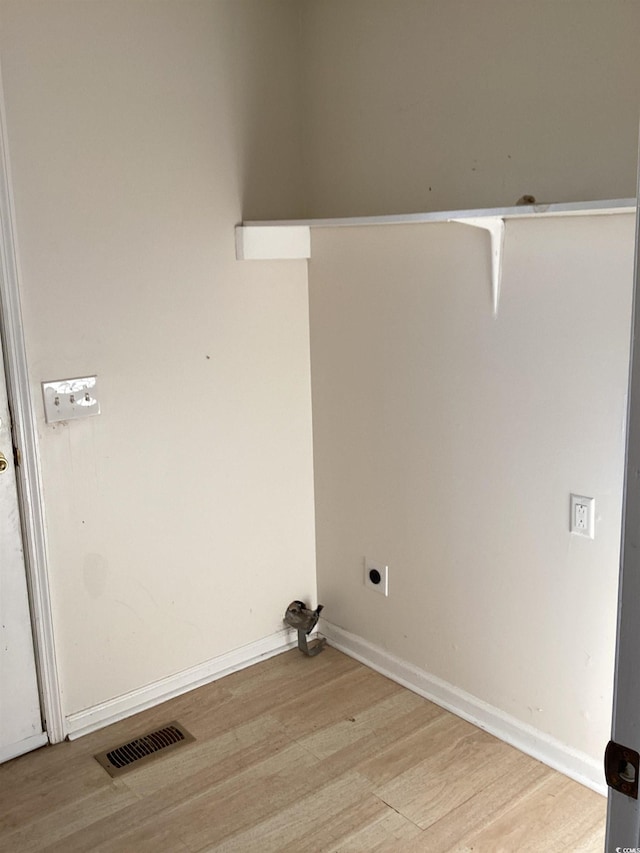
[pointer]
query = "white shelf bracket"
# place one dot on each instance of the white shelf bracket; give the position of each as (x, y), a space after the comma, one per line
(495, 226)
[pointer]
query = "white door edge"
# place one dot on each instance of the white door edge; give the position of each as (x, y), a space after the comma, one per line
(25, 437)
(23, 746)
(623, 812)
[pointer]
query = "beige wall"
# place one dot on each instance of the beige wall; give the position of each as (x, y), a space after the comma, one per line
(416, 105)
(447, 443)
(180, 520)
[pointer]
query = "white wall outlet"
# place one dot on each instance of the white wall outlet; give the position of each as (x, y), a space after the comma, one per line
(583, 513)
(376, 576)
(69, 399)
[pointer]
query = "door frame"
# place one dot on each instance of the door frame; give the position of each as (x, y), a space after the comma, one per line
(24, 433)
(623, 812)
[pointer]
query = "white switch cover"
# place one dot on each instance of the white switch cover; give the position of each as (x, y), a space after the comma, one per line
(583, 516)
(69, 399)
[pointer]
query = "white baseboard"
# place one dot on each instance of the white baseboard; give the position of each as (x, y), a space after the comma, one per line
(541, 746)
(90, 719)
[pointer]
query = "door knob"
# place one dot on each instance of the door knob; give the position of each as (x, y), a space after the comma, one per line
(3, 463)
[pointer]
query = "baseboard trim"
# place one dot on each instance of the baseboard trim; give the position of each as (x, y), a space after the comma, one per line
(114, 710)
(539, 745)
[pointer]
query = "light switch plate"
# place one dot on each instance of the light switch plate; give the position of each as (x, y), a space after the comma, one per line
(69, 399)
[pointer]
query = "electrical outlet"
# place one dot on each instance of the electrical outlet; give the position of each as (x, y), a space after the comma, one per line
(582, 517)
(582, 520)
(376, 576)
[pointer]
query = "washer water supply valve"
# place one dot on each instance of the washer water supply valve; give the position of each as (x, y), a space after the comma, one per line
(298, 616)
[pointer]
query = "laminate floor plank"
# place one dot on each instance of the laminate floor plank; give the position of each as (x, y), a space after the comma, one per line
(317, 754)
(397, 758)
(346, 697)
(559, 815)
(47, 779)
(148, 838)
(490, 802)
(379, 830)
(314, 815)
(448, 778)
(56, 824)
(372, 729)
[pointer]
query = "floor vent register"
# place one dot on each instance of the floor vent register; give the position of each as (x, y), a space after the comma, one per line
(143, 749)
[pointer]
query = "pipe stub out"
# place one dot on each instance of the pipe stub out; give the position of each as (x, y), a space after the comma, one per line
(298, 616)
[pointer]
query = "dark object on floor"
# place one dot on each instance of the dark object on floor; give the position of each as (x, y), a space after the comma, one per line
(131, 755)
(304, 621)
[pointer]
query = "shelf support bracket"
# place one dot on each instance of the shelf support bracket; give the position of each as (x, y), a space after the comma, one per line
(495, 226)
(273, 242)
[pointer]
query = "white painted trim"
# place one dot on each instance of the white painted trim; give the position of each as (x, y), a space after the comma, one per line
(83, 722)
(495, 226)
(258, 243)
(623, 812)
(539, 745)
(532, 211)
(28, 472)
(22, 747)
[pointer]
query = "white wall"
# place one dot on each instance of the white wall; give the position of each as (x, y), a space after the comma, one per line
(180, 520)
(416, 105)
(447, 443)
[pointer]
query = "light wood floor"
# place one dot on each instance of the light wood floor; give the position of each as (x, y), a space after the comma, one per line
(299, 754)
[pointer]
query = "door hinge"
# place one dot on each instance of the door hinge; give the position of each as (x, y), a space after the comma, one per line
(621, 766)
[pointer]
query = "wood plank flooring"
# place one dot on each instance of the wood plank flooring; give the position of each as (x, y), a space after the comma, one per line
(314, 754)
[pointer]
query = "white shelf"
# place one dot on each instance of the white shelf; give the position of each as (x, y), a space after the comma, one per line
(574, 208)
(290, 239)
